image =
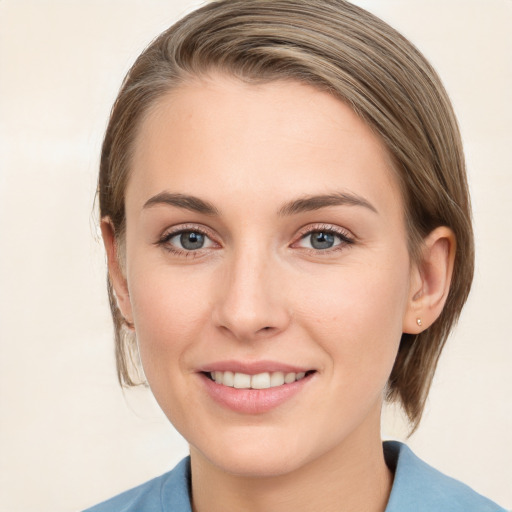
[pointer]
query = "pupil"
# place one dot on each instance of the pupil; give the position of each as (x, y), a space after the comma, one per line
(322, 240)
(192, 240)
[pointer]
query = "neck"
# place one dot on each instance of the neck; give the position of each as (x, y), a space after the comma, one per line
(352, 477)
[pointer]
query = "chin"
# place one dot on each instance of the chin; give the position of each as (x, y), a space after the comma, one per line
(262, 466)
(255, 455)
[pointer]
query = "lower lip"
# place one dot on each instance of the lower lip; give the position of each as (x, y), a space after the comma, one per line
(253, 401)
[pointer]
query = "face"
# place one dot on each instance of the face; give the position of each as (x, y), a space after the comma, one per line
(267, 271)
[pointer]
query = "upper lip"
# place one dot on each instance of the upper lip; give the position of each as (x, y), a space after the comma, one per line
(252, 367)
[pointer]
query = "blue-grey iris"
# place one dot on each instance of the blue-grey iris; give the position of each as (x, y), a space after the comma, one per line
(191, 240)
(321, 240)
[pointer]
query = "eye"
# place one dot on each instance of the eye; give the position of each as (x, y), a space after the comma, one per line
(324, 239)
(189, 240)
(186, 241)
(321, 240)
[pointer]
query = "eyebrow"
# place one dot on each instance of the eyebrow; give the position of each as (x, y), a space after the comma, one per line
(301, 205)
(185, 201)
(311, 203)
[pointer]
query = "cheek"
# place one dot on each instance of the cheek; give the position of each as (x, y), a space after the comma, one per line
(165, 298)
(169, 309)
(357, 317)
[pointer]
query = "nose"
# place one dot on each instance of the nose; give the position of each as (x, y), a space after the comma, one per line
(252, 300)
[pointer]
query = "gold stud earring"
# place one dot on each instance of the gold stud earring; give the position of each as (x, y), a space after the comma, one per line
(419, 322)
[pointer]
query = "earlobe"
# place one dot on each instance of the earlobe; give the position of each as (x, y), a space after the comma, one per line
(115, 270)
(430, 280)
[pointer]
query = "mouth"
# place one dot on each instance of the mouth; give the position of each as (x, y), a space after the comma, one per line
(263, 380)
(255, 387)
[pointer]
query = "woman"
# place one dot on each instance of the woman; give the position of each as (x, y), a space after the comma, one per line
(286, 216)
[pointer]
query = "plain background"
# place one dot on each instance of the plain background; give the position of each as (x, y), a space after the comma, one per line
(69, 437)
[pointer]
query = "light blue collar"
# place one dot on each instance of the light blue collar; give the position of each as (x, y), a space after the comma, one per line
(420, 488)
(417, 487)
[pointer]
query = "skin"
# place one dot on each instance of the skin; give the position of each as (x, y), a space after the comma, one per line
(258, 290)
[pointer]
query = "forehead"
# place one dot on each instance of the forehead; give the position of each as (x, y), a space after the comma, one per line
(271, 140)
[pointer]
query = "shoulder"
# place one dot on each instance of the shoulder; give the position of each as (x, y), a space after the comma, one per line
(168, 492)
(420, 487)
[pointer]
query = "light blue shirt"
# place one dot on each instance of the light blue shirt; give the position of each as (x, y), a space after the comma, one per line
(417, 487)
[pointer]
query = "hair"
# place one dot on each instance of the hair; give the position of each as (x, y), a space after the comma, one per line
(337, 47)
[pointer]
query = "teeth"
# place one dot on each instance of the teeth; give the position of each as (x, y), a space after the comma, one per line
(289, 378)
(276, 379)
(227, 378)
(242, 381)
(260, 381)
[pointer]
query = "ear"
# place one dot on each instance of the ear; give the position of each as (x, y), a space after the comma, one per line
(115, 271)
(430, 280)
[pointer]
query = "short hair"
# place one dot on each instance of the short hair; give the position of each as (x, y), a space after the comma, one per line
(337, 47)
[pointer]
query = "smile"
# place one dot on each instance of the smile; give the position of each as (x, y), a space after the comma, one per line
(262, 380)
(254, 388)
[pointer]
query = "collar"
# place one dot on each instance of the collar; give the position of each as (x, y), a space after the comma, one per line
(419, 487)
(416, 487)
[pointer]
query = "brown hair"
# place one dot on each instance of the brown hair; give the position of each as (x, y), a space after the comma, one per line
(338, 47)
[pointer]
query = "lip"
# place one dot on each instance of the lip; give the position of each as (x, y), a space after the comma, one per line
(252, 367)
(253, 401)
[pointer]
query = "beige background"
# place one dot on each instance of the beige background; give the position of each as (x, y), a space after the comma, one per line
(68, 435)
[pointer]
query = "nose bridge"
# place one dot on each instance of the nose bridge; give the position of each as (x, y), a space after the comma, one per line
(250, 304)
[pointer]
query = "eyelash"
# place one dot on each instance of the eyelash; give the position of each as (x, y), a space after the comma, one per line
(346, 239)
(169, 235)
(344, 236)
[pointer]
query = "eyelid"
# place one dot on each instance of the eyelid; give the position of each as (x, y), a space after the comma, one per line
(171, 232)
(346, 236)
